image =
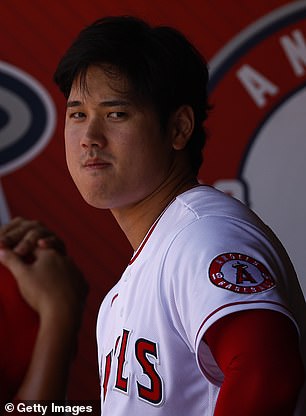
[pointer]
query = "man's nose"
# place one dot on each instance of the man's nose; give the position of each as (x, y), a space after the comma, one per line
(94, 135)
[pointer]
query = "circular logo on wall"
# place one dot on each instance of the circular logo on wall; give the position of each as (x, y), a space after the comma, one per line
(258, 149)
(27, 118)
(240, 273)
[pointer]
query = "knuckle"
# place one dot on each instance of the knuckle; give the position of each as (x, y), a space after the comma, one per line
(16, 223)
(27, 242)
(34, 233)
(17, 219)
(35, 224)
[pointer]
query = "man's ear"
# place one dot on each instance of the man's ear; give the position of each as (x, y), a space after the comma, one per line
(182, 126)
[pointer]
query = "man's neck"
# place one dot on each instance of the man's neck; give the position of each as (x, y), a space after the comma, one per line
(136, 220)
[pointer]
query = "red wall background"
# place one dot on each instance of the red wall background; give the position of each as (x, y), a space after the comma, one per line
(34, 34)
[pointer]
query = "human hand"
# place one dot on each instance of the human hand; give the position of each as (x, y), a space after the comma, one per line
(24, 236)
(52, 284)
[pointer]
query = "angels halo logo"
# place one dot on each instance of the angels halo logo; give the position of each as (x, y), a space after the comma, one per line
(257, 88)
(240, 273)
(27, 118)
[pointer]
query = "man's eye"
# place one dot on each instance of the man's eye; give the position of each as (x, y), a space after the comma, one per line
(77, 115)
(116, 114)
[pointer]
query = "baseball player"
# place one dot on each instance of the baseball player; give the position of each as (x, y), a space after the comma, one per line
(207, 317)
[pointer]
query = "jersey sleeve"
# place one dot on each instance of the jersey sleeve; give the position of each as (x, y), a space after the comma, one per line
(217, 266)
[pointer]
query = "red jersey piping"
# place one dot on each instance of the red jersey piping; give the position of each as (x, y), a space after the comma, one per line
(138, 251)
(143, 242)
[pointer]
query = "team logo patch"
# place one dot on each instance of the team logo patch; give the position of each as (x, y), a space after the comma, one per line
(240, 273)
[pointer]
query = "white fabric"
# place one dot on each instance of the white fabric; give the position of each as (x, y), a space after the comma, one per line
(165, 301)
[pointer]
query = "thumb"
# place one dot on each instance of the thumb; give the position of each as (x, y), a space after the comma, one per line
(12, 261)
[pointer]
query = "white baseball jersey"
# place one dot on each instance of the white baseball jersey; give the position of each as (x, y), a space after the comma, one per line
(205, 257)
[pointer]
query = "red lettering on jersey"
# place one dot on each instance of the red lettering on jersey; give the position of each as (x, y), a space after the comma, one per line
(108, 364)
(116, 345)
(154, 393)
(147, 356)
(122, 382)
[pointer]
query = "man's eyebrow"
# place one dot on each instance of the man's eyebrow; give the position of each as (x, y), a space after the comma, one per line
(106, 103)
(73, 103)
(114, 103)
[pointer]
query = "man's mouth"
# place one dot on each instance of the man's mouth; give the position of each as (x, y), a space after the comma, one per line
(95, 163)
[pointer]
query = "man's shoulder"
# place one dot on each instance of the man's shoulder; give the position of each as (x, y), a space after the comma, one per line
(202, 217)
(204, 201)
(205, 216)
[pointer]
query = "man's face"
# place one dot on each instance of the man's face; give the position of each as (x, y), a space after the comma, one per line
(115, 149)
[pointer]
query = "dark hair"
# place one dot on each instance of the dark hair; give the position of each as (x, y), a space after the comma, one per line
(161, 65)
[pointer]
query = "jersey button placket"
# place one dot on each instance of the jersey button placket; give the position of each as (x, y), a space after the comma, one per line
(126, 277)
